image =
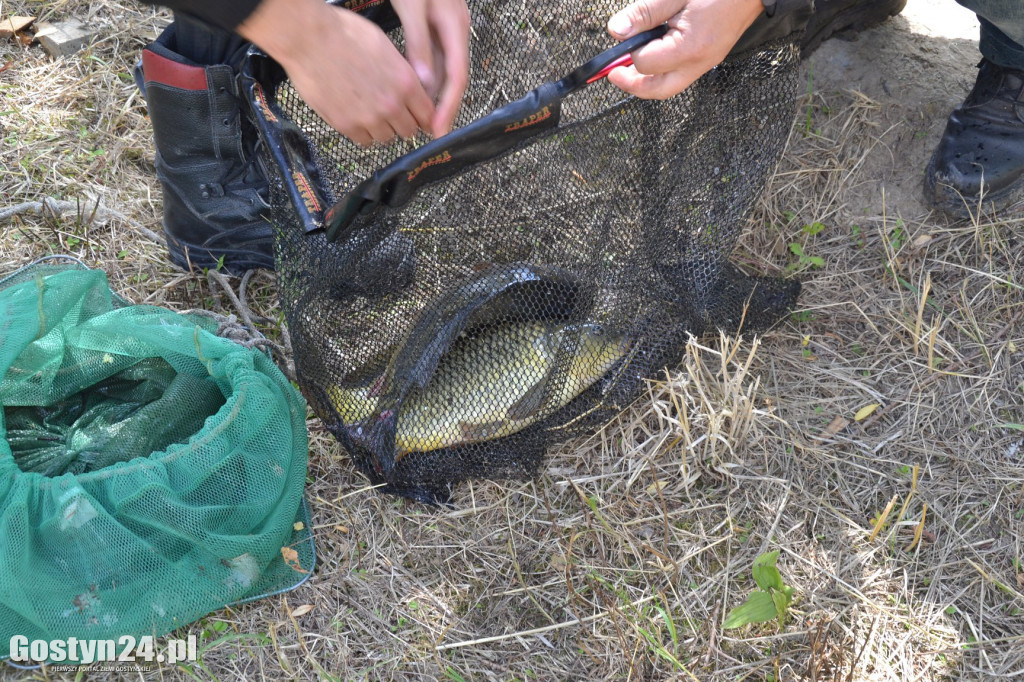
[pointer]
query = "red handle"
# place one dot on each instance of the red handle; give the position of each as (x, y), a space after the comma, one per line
(624, 60)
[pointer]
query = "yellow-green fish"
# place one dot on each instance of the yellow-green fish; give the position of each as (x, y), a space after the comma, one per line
(492, 383)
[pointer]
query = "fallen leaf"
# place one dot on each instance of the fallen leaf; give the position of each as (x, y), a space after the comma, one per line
(291, 557)
(879, 522)
(341, 529)
(865, 412)
(922, 241)
(298, 526)
(301, 610)
(919, 528)
(655, 488)
(837, 424)
(14, 25)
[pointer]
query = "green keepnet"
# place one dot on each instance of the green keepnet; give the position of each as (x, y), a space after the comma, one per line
(150, 471)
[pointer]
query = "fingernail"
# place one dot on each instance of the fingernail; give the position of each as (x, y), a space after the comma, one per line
(620, 25)
(425, 75)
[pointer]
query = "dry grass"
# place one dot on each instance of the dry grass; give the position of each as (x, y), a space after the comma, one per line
(622, 559)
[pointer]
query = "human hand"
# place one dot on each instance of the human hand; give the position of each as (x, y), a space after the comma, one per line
(700, 35)
(344, 67)
(437, 47)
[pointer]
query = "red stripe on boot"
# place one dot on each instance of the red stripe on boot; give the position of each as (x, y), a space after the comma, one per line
(160, 69)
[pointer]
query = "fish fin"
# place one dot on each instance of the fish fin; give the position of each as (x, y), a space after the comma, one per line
(376, 388)
(531, 403)
(477, 432)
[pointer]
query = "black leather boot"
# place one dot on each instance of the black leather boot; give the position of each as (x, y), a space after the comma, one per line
(214, 191)
(983, 143)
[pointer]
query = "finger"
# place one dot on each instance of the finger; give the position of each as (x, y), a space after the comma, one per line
(660, 86)
(673, 51)
(411, 97)
(418, 48)
(641, 16)
(381, 131)
(404, 124)
(438, 67)
(453, 35)
(421, 107)
(361, 136)
(346, 126)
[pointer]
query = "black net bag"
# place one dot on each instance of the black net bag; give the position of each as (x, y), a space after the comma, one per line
(458, 305)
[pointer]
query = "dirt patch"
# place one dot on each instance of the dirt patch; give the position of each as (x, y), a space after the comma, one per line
(915, 79)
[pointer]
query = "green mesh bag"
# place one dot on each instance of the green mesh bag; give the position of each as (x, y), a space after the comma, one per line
(150, 471)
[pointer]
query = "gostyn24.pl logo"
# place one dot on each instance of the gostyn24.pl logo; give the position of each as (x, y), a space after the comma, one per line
(126, 649)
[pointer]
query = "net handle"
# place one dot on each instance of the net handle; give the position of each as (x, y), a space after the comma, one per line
(614, 57)
(483, 139)
(287, 145)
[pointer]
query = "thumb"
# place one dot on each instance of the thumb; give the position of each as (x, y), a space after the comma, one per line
(641, 16)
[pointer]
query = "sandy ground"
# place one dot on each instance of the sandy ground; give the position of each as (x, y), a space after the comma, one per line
(916, 68)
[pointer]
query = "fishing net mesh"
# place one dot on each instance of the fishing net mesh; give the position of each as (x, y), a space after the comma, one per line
(150, 471)
(525, 298)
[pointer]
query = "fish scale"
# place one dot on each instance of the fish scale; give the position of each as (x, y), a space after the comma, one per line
(493, 383)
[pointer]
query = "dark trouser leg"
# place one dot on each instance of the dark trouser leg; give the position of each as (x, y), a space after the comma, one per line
(206, 44)
(1002, 30)
(214, 194)
(828, 18)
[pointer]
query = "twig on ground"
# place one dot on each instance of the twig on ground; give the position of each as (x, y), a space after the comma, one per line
(536, 631)
(58, 207)
(243, 310)
(856, 659)
(712, 646)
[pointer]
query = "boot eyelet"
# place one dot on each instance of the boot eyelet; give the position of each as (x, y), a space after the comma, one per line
(226, 122)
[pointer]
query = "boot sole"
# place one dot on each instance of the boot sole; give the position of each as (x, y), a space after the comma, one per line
(945, 198)
(852, 20)
(235, 261)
